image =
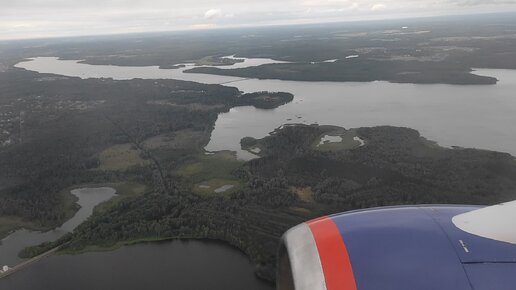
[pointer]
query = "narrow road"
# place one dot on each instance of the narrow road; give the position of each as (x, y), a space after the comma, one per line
(239, 80)
(27, 263)
(138, 145)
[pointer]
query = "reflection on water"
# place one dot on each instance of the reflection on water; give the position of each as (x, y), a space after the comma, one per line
(88, 198)
(468, 116)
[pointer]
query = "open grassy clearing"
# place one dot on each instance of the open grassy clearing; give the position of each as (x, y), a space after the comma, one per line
(177, 140)
(217, 186)
(207, 173)
(217, 165)
(121, 157)
(304, 193)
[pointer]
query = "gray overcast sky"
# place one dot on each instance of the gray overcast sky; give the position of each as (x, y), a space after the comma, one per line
(48, 18)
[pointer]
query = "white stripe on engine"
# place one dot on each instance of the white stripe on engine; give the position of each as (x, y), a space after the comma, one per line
(306, 265)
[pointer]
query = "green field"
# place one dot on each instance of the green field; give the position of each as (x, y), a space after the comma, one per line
(177, 140)
(304, 193)
(207, 173)
(209, 187)
(120, 157)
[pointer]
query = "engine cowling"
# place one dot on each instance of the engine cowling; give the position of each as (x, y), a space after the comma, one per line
(400, 248)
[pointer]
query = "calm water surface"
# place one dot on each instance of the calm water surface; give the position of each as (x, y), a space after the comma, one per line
(178, 265)
(87, 198)
(467, 116)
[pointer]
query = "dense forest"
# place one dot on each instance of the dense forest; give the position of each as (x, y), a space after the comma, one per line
(360, 70)
(426, 50)
(68, 125)
(266, 100)
(294, 180)
(58, 126)
(59, 132)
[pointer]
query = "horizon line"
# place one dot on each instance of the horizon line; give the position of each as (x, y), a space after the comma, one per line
(254, 26)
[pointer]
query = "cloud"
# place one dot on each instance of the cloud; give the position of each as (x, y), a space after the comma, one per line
(202, 26)
(212, 13)
(378, 7)
(480, 2)
(43, 18)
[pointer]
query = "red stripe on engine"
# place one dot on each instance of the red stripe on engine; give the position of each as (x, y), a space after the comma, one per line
(333, 254)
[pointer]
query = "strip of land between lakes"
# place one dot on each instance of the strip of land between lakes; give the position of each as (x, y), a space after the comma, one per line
(27, 263)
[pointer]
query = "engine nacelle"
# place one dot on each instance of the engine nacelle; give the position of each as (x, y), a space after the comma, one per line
(403, 248)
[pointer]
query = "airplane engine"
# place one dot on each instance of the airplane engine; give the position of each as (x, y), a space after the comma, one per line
(403, 248)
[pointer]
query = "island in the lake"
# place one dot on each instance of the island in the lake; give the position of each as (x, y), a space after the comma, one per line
(302, 173)
(266, 100)
(360, 70)
(77, 132)
(146, 138)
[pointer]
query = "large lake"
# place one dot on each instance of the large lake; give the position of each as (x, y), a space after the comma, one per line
(181, 265)
(87, 199)
(481, 116)
(468, 116)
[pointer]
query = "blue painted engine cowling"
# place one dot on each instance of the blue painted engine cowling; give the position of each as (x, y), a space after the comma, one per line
(399, 248)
